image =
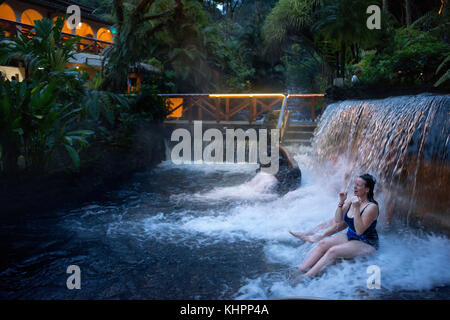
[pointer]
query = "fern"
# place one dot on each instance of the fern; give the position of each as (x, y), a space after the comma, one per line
(446, 75)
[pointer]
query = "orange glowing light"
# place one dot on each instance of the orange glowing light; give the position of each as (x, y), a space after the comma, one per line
(29, 16)
(306, 95)
(83, 29)
(245, 95)
(6, 12)
(104, 35)
(176, 102)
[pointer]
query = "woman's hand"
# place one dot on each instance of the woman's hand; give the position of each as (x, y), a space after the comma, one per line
(355, 202)
(342, 196)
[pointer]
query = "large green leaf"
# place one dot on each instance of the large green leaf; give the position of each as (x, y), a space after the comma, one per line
(443, 79)
(93, 106)
(80, 132)
(73, 155)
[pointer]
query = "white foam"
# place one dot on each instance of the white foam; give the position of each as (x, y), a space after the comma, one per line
(210, 167)
(258, 188)
(408, 261)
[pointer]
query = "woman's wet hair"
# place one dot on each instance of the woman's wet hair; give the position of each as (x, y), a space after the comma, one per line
(370, 183)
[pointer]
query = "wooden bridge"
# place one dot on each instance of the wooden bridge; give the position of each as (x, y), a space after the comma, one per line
(250, 110)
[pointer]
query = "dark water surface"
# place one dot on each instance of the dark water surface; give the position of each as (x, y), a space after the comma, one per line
(205, 232)
(37, 248)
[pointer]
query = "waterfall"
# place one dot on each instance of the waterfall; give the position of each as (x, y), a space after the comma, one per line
(166, 150)
(404, 142)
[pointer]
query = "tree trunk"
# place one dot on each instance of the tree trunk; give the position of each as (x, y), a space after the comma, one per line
(408, 12)
(342, 62)
(337, 64)
(386, 6)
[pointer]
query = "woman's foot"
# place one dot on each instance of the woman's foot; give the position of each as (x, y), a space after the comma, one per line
(312, 239)
(300, 235)
(306, 237)
(298, 278)
(302, 269)
(310, 275)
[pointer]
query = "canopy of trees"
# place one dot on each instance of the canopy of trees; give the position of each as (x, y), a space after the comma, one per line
(256, 45)
(206, 46)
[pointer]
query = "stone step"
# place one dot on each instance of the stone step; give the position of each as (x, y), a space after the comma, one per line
(303, 128)
(297, 141)
(298, 135)
(300, 132)
(305, 125)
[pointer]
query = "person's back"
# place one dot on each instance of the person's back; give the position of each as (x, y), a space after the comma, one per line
(355, 78)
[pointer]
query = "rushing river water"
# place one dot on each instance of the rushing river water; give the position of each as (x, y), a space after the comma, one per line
(209, 232)
(221, 231)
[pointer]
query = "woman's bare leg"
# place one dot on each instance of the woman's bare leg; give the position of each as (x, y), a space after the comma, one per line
(302, 235)
(321, 248)
(347, 250)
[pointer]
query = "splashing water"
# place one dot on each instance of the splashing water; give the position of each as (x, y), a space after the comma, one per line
(218, 232)
(404, 142)
(412, 263)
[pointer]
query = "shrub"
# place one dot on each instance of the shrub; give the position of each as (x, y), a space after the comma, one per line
(415, 58)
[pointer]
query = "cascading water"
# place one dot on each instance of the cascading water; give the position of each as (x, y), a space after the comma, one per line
(404, 142)
(219, 231)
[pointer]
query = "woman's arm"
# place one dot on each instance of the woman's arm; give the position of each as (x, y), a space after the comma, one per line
(309, 234)
(316, 228)
(342, 207)
(362, 223)
(334, 228)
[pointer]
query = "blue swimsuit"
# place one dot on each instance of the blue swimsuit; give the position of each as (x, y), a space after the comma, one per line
(370, 236)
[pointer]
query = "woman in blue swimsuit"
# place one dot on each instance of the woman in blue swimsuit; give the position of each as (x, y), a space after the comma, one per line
(359, 215)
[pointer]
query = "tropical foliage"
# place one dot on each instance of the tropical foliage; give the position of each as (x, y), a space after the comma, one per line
(416, 58)
(336, 33)
(204, 46)
(53, 114)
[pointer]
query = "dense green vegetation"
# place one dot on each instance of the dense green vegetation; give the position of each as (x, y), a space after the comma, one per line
(414, 58)
(251, 45)
(206, 46)
(56, 112)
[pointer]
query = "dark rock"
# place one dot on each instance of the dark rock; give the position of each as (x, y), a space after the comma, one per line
(289, 175)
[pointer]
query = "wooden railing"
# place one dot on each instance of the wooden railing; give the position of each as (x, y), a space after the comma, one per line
(222, 107)
(306, 98)
(283, 118)
(85, 44)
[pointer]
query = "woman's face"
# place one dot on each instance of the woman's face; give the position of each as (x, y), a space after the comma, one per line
(360, 188)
